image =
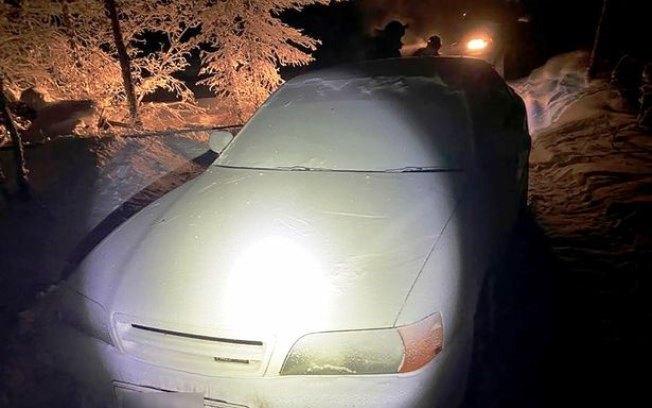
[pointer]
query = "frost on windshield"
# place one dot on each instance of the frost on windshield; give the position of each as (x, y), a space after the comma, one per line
(360, 123)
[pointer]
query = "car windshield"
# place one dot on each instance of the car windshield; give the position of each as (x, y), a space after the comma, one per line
(379, 123)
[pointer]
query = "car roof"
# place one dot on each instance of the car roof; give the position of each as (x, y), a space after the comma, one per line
(491, 102)
(379, 115)
(459, 72)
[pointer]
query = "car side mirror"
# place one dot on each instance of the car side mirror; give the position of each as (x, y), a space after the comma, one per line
(218, 140)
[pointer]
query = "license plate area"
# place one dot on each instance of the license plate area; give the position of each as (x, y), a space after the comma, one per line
(134, 396)
(135, 399)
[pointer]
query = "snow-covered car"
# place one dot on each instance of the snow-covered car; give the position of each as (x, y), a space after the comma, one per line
(331, 256)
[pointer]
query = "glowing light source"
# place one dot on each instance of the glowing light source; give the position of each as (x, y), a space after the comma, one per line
(477, 44)
(277, 282)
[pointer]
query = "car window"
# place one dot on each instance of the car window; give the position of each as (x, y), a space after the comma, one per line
(378, 123)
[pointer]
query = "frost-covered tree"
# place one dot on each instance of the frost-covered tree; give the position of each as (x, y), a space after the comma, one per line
(248, 41)
(155, 68)
(60, 48)
(66, 48)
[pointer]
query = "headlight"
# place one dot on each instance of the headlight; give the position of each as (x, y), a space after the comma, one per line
(383, 351)
(84, 315)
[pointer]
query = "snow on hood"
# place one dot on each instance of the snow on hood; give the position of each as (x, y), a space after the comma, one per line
(250, 249)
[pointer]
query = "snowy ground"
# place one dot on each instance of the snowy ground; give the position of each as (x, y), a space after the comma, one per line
(590, 196)
(591, 167)
(79, 185)
(590, 193)
(82, 189)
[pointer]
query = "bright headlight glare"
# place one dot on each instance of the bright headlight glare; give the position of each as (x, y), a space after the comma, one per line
(363, 352)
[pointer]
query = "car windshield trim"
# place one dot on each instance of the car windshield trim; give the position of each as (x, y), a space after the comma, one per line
(316, 169)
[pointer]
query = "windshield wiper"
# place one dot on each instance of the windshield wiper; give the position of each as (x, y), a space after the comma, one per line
(418, 170)
(298, 168)
(316, 169)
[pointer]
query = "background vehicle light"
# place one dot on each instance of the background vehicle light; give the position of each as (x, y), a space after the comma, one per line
(477, 44)
(381, 351)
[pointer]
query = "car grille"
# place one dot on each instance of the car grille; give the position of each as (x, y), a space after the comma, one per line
(194, 353)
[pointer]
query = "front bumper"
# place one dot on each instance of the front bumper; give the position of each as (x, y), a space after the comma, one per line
(103, 369)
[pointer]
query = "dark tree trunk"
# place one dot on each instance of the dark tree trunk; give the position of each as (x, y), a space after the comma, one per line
(125, 63)
(70, 31)
(3, 179)
(593, 62)
(16, 140)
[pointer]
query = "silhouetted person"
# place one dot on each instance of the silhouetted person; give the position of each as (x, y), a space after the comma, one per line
(388, 44)
(432, 49)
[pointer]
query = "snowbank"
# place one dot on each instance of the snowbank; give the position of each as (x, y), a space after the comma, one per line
(590, 167)
(590, 178)
(49, 119)
(559, 93)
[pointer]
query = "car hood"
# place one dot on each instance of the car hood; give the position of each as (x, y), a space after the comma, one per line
(272, 250)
